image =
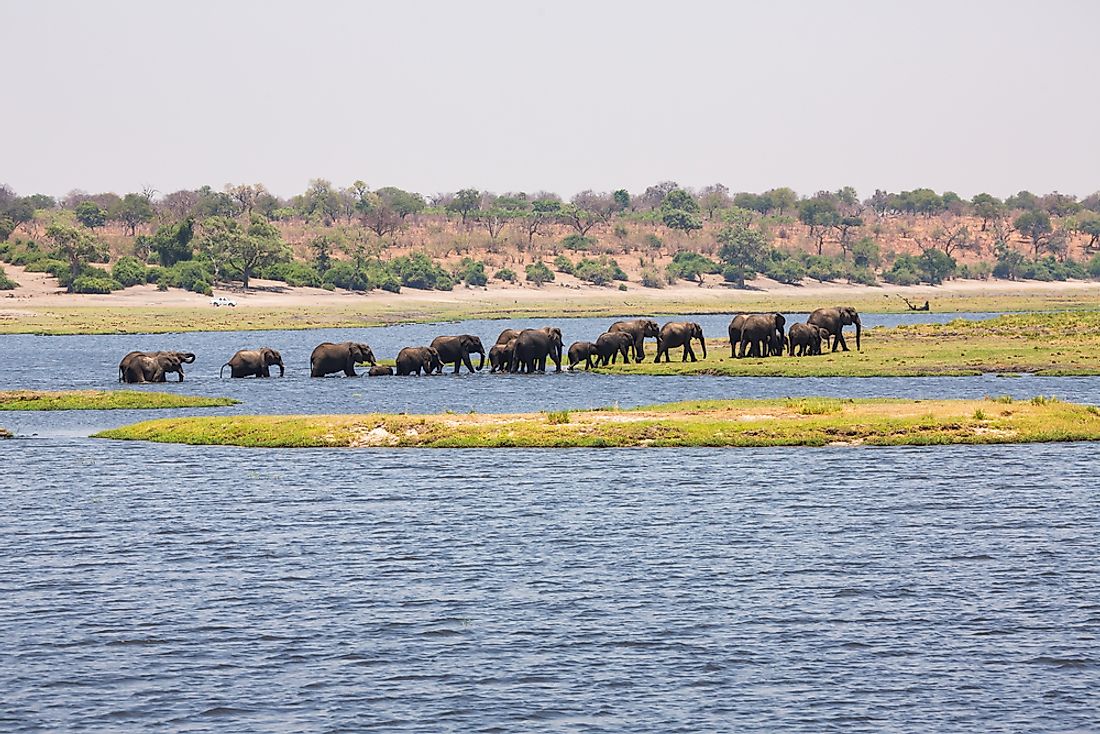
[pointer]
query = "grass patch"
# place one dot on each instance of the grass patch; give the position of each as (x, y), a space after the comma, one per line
(724, 423)
(104, 400)
(557, 417)
(1048, 344)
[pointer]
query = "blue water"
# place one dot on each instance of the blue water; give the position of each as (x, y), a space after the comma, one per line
(172, 588)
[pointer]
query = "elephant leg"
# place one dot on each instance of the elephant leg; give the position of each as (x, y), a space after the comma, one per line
(466, 361)
(840, 340)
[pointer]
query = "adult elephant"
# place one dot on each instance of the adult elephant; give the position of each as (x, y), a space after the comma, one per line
(610, 345)
(581, 352)
(456, 350)
(638, 329)
(411, 360)
(834, 320)
(680, 333)
(805, 339)
(534, 346)
(328, 358)
(507, 335)
(500, 356)
(152, 366)
(254, 362)
(761, 334)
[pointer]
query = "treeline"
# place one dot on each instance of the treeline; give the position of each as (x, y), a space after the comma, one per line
(195, 238)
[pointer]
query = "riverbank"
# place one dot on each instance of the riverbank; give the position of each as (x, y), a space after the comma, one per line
(724, 423)
(1047, 344)
(145, 310)
(104, 400)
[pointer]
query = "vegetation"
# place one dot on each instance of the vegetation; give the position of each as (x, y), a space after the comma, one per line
(103, 400)
(1044, 344)
(733, 423)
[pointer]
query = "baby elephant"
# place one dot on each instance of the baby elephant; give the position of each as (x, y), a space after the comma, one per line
(253, 362)
(611, 344)
(380, 370)
(582, 352)
(411, 360)
(805, 339)
(500, 355)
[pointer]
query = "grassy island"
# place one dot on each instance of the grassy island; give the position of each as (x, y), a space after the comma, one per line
(103, 400)
(1050, 344)
(744, 423)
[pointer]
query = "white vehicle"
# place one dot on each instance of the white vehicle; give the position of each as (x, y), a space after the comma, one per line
(222, 301)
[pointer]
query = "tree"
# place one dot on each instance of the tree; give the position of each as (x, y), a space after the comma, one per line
(818, 214)
(782, 199)
(75, 246)
(742, 248)
(172, 242)
(654, 195)
(464, 202)
(844, 227)
(987, 207)
(246, 196)
(680, 211)
(543, 211)
(579, 219)
(936, 265)
(621, 198)
(953, 237)
(226, 242)
(322, 248)
(497, 212)
(320, 202)
(1089, 225)
(1023, 200)
(714, 198)
(1035, 225)
(133, 210)
(90, 214)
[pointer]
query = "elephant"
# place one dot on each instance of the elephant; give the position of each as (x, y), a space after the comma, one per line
(610, 345)
(761, 334)
(806, 339)
(532, 348)
(581, 352)
(255, 362)
(380, 370)
(152, 366)
(500, 356)
(680, 333)
(834, 320)
(457, 349)
(328, 358)
(507, 335)
(411, 360)
(639, 329)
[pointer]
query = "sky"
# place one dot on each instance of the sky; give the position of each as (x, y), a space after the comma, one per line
(120, 95)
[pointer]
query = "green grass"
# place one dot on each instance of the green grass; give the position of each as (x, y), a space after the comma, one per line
(103, 400)
(726, 423)
(1050, 344)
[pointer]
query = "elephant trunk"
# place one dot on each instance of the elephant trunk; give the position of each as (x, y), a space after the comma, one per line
(222, 370)
(481, 362)
(188, 357)
(282, 370)
(703, 344)
(858, 327)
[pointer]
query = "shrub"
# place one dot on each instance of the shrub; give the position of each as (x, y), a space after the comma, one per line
(598, 272)
(191, 275)
(823, 268)
(904, 271)
(652, 242)
(27, 255)
(129, 271)
(6, 283)
(95, 284)
(419, 271)
(563, 264)
(652, 279)
(577, 242)
(784, 270)
(505, 274)
(472, 272)
(294, 274)
(863, 276)
(345, 275)
(1094, 266)
(538, 273)
(691, 266)
(557, 417)
(622, 286)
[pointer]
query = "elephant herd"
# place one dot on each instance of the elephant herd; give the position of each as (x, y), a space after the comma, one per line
(761, 334)
(528, 350)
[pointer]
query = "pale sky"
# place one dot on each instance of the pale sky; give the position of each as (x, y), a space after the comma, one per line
(562, 96)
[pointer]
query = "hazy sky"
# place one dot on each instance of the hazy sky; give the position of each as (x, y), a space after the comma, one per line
(563, 96)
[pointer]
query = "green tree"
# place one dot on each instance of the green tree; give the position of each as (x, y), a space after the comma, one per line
(782, 199)
(818, 214)
(133, 210)
(742, 248)
(987, 207)
(680, 210)
(226, 243)
(172, 242)
(323, 247)
(464, 202)
(543, 211)
(622, 199)
(76, 247)
(936, 265)
(1035, 225)
(90, 214)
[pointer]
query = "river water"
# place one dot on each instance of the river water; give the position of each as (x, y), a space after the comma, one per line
(172, 588)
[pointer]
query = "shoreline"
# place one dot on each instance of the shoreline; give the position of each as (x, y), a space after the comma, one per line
(145, 310)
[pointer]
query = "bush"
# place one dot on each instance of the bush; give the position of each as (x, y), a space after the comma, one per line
(294, 274)
(472, 272)
(6, 283)
(784, 270)
(862, 276)
(191, 275)
(577, 242)
(978, 271)
(538, 273)
(1093, 267)
(505, 274)
(345, 275)
(129, 271)
(27, 255)
(95, 284)
(905, 271)
(563, 264)
(419, 271)
(652, 279)
(652, 242)
(598, 272)
(823, 268)
(691, 266)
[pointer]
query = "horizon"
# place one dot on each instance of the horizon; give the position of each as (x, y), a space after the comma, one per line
(448, 97)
